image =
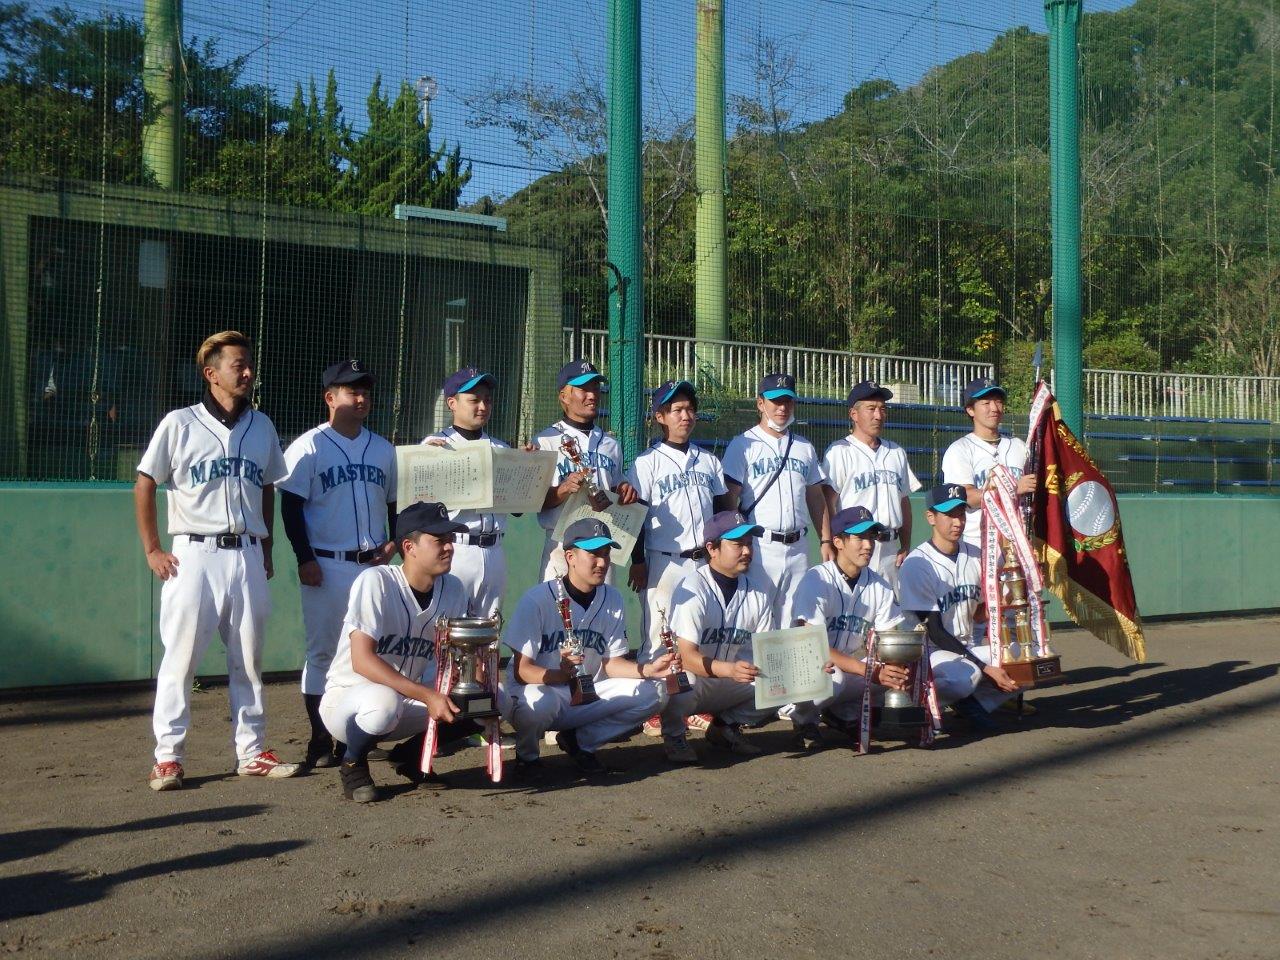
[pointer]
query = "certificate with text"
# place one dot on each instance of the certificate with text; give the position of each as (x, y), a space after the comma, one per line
(791, 665)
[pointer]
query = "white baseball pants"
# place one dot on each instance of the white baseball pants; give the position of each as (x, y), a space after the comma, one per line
(845, 700)
(665, 572)
(731, 701)
(778, 567)
(957, 677)
(324, 608)
(483, 572)
(537, 707)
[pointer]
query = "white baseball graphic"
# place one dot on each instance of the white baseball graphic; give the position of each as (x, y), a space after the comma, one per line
(1091, 509)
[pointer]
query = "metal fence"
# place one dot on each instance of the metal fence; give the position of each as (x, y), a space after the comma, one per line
(1130, 393)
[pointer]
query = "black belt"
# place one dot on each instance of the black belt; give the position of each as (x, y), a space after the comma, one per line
(225, 541)
(790, 536)
(479, 539)
(350, 556)
(886, 535)
(697, 553)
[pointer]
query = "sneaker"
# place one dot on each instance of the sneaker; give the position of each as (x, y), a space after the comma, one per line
(320, 752)
(166, 776)
(727, 737)
(653, 726)
(357, 785)
(267, 764)
(850, 728)
(698, 721)
(1019, 708)
(678, 750)
(480, 740)
(808, 738)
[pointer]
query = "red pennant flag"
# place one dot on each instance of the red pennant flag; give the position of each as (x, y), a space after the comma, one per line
(1077, 523)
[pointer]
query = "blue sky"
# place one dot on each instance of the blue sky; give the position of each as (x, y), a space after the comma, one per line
(468, 46)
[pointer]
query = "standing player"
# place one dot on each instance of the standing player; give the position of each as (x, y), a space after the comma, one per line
(714, 612)
(540, 669)
(969, 460)
(218, 461)
(335, 504)
(940, 583)
(850, 598)
(579, 383)
(478, 560)
(381, 685)
(775, 479)
(683, 486)
(863, 469)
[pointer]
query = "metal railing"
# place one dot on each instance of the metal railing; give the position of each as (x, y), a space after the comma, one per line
(830, 374)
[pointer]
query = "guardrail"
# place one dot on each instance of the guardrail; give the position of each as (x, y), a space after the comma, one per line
(1135, 394)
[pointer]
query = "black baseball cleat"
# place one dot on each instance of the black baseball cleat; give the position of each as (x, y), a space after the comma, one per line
(589, 763)
(850, 728)
(320, 752)
(406, 760)
(357, 785)
(527, 771)
(808, 738)
(978, 718)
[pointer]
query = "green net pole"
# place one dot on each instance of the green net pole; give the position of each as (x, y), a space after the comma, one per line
(626, 299)
(1063, 18)
(710, 292)
(162, 132)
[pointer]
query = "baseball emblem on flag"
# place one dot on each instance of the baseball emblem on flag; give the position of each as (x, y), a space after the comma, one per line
(1090, 509)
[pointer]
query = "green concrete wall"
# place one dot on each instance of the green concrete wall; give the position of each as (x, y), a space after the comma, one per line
(80, 605)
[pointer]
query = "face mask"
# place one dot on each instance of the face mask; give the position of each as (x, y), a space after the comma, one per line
(780, 427)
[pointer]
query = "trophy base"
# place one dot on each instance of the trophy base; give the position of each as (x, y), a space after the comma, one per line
(475, 706)
(582, 690)
(677, 684)
(900, 722)
(1040, 672)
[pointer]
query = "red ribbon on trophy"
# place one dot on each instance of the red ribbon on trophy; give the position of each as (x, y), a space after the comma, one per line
(1002, 520)
(924, 692)
(446, 678)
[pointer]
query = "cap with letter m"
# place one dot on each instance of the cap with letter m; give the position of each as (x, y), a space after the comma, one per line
(466, 380)
(856, 521)
(669, 391)
(946, 497)
(345, 373)
(776, 385)
(869, 390)
(588, 534)
(426, 516)
(981, 387)
(729, 525)
(578, 373)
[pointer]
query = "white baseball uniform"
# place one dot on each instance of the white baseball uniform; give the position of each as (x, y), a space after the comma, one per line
(970, 459)
(346, 485)
(751, 459)
(825, 595)
(478, 560)
(721, 631)
(876, 478)
(602, 454)
(931, 580)
(213, 475)
(383, 605)
(680, 487)
(536, 632)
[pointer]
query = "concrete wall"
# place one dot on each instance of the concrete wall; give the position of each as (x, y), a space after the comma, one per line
(80, 605)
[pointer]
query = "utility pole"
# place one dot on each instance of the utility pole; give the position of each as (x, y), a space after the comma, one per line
(163, 120)
(710, 176)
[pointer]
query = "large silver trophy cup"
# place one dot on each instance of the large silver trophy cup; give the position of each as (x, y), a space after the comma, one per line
(467, 645)
(903, 715)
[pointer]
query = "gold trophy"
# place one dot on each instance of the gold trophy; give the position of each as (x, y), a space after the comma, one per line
(1026, 665)
(582, 686)
(677, 681)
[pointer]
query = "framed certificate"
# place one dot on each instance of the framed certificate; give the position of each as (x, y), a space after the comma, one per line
(791, 665)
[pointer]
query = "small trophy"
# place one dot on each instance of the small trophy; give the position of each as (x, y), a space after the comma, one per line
(569, 447)
(1028, 664)
(676, 681)
(582, 687)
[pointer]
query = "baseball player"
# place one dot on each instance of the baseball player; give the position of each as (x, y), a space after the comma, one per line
(775, 478)
(381, 684)
(478, 560)
(683, 485)
(941, 583)
(217, 460)
(335, 503)
(969, 460)
(541, 669)
(579, 383)
(714, 611)
(863, 469)
(850, 597)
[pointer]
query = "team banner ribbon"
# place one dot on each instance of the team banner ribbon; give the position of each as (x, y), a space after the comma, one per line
(1002, 520)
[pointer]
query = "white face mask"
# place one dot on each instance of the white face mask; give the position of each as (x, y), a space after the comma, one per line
(780, 427)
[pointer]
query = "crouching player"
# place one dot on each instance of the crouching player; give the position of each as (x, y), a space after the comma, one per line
(714, 612)
(542, 667)
(850, 598)
(381, 684)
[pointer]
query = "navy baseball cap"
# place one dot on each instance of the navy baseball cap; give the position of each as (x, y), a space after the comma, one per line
(578, 373)
(468, 378)
(946, 497)
(775, 385)
(424, 516)
(855, 520)
(588, 534)
(669, 391)
(729, 525)
(981, 387)
(869, 390)
(345, 372)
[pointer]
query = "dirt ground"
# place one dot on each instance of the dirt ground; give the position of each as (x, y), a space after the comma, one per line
(1136, 816)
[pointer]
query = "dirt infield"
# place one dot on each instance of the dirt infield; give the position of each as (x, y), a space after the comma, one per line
(1136, 816)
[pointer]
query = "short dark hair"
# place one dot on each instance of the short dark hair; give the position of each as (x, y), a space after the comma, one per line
(666, 407)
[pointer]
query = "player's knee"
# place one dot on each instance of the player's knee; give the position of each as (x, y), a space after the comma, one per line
(380, 710)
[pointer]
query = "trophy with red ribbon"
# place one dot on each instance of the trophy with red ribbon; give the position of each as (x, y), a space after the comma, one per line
(912, 714)
(676, 681)
(582, 686)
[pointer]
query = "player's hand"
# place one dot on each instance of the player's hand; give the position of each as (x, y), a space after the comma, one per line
(569, 663)
(827, 550)
(892, 675)
(829, 667)
(902, 556)
(743, 671)
(162, 563)
(267, 563)
(1001, 679)
(529, 448)
(659, 667)
(572, 483)
(638, 576)
(310, 574)
(386, 553)
(627, 493)
(439, 707)
(1027, 483)
(436, 442)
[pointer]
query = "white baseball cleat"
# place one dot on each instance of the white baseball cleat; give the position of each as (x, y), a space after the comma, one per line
(267, 764)
(166, 776)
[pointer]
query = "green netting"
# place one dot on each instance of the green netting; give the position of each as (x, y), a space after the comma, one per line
(886, 193)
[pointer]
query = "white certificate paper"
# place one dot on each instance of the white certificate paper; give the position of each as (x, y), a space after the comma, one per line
(790, 663)
(474, 476)
(625, 523)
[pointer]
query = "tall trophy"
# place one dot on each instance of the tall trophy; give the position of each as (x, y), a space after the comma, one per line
(467, 673)
(582, 686)
(676, 681)
(903, 715)
(1028, 662)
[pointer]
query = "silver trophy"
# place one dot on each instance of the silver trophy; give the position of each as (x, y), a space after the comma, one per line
(902, 715)
(467, 645)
